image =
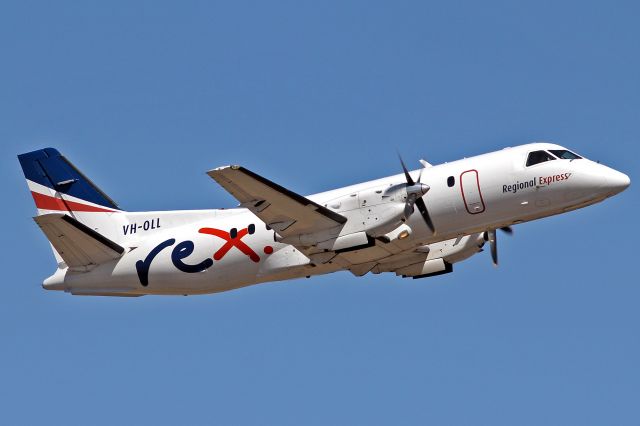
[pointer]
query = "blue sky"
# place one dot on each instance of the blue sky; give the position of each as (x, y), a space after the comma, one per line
(144, 97)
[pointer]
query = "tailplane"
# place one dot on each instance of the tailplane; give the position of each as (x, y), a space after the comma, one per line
(80, 247)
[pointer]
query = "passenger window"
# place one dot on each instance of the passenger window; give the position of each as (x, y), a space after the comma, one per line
(536, 157)
(451, 181)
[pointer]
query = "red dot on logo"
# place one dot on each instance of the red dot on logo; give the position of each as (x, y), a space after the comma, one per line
(268, 249)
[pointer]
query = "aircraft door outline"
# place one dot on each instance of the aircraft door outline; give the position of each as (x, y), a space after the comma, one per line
(470, 190)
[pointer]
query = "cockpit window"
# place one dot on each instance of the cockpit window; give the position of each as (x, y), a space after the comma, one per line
(536, 157)
(564, 154)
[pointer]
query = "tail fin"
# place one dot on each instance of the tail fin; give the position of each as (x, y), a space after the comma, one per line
(58, 186)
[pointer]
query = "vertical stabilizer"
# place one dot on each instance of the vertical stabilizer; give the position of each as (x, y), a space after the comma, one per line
(57, 186)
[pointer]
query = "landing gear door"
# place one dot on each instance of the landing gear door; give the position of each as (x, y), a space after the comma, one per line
(471, 195)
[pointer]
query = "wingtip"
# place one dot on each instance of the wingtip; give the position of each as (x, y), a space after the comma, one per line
(221, 168)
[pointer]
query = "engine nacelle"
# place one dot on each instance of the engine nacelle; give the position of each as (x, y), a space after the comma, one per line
(381, 219)
(440, 257)
(371, 213)
(455, 250)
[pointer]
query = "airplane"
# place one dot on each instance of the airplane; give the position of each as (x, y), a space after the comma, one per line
(416, 224)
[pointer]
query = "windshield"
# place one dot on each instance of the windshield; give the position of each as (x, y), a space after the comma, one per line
(564, 154)
(537, 157)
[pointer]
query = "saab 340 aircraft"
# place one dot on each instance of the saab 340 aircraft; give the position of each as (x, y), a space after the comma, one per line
(416, 224)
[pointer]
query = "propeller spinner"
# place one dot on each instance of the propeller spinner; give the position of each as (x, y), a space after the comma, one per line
(415, 191)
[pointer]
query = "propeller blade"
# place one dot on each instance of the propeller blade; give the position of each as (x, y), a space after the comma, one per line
(408, 210)
(418, 201)
(406, 172)
(507, 230)
(422, 208)
(493, 243)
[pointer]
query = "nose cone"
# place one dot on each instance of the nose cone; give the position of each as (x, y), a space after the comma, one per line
(617, 182)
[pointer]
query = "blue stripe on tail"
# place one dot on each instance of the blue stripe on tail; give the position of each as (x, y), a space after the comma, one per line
(49, 168)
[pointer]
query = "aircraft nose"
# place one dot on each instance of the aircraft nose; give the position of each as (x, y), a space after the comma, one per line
(617, 181)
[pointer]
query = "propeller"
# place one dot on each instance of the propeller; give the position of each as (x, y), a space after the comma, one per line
(415, 191)
(492, 238)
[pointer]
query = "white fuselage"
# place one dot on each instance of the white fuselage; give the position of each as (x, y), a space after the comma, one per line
(465, 197)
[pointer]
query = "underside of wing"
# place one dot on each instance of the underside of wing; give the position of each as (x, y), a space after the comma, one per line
(286, 212)
(415, 267)
(426, 261)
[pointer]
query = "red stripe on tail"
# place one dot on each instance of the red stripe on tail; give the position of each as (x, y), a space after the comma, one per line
(47, 202)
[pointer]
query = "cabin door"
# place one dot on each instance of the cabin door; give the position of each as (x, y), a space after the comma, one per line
(471, 195)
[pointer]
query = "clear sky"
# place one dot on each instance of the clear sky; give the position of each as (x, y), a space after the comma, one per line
(145, 96)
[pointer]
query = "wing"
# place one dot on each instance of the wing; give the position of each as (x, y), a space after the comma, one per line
(79, 246)
(407, 265)
(426, 261)
(284, 211)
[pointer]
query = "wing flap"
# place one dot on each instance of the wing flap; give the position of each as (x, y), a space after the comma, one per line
(79, 246)
(414, 265)
(283, 210)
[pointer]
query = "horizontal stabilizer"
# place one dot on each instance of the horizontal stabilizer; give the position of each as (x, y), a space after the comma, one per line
(79, 246)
